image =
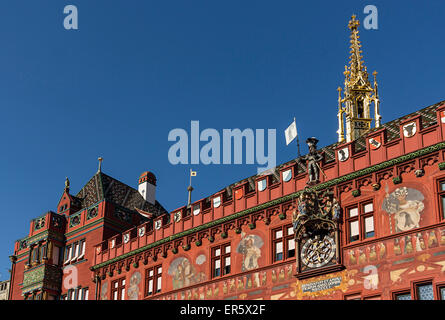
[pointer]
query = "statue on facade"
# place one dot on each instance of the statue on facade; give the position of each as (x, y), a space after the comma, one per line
(312, 158)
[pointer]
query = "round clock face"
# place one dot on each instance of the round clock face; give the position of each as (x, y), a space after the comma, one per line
(316, 252)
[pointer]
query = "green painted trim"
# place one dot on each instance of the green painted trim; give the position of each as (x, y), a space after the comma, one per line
(321, 186)
(44, 234)
(100, 220)
(84, 233)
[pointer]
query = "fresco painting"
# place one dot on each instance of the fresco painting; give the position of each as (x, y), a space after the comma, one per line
(405, 206)
(250, 247)
(133, 289)
(184, 273)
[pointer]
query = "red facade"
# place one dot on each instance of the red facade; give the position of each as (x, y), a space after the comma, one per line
(240, 245)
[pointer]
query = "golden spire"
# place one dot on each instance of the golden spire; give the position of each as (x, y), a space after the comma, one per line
(354, 116)
(357, 70)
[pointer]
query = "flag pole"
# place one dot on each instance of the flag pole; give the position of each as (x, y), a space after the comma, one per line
(190, 189)
(298, 148)
(298, 141)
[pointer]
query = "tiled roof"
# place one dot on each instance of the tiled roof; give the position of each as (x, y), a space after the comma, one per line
(102, 186)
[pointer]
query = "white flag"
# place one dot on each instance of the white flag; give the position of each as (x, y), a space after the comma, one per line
(291, 132)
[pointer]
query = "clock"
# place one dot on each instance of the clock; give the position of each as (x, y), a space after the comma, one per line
(318, 252)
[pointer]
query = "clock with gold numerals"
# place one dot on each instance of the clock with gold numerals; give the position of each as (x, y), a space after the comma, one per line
(318, 252)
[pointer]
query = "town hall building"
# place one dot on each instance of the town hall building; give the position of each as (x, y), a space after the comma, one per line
(362, 218)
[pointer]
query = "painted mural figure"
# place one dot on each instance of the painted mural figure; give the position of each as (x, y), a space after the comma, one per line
(249, 247)
(184, 273)
(133, 290)
(406, 204)
(104, 291)
(336, 210)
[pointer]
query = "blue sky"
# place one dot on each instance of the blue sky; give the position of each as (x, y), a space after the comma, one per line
(134, 70)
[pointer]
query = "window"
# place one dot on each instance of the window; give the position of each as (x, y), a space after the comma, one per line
(283, 243)
(403, 296)
(354, 297)
(118, 289)
(424, 291)
(35, 255)
(153, 280)
(84, 294)
(56, 252)
(441, 193)
(360, 222)
(373, 298)
(75, 251)
(76, 294)
(442, 293)
(68, 252)
(81, 249)
(221, 260)
(72, 294)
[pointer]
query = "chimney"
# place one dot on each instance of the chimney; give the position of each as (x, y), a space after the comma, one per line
(147, 186)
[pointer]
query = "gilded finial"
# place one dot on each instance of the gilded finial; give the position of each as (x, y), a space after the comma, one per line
(100, 164)
(67, 184)
(353, 23)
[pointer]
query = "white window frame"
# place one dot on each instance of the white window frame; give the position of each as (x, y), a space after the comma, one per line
(75, 251)
(68, 256)
(81, 249)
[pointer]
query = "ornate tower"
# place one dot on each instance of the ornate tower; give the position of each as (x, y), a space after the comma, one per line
(354, 108)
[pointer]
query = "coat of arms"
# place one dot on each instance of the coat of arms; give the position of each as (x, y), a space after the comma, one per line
(287, 175)
(375, 143)
(177, 216)
(196, 209)
(217, 202)
(343, 154)
(409, 129)
(262, 184)
(239, 194)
